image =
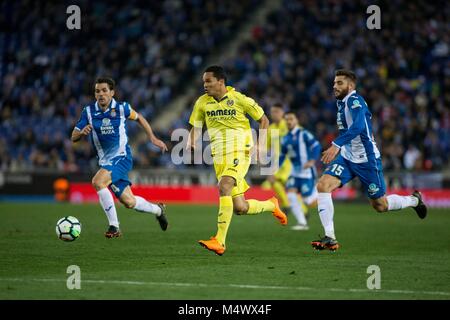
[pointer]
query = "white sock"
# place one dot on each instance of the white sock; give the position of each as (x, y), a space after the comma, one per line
(296, 208)
(326, 213)
(143, 205)
(396, 202)
(107, 203)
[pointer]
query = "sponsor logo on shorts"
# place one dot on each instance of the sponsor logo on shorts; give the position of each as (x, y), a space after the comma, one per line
(373, 189)
(305, 188)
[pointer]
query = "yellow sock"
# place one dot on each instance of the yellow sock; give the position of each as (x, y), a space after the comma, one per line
(224, 218)
(304, 207)
(280, 191)
(255, 206)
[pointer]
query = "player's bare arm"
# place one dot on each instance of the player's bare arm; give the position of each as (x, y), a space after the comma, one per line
(262, 139)
(148, 130)
(78, 134)
(192, 138)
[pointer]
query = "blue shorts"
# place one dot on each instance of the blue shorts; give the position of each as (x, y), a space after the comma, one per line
(305, 186)
(369, 173)
(119, 174)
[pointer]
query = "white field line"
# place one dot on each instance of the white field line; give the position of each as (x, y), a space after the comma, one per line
(241, 286)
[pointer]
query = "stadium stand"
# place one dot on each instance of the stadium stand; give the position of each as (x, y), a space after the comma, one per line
(47, 72)
(152, 49)
(404, 76)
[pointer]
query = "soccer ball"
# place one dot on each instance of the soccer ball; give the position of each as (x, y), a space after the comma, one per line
(68, 228)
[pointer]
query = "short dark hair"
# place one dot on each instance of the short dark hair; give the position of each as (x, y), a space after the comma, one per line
(291, 112)
(109, 81)
(346, 73)
(277, 105)
(218, 72)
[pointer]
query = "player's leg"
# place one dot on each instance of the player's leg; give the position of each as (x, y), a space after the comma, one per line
(337, 174)
(297, 210)
(225, 167)
(394, 202)
(242, 206)
(238, 170)
(327, 184)
(252, 206)
(100, 182)
(279, 185)
(292, 187)
(226, 184)
(372, 179)
(131, 201)
(309, 194)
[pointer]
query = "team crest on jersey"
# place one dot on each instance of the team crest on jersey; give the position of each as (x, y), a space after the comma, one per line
(113, 113)
(230, 102)
(373, 189)
(356, 104)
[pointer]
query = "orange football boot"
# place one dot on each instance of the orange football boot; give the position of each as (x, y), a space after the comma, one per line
(277, 213)
(213, 245)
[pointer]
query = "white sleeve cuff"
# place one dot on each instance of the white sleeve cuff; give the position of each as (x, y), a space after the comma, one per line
(336, 145)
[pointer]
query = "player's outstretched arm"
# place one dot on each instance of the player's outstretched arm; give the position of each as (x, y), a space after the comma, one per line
(262, 137)
(77, 134)
(192, 138)
(148, 130)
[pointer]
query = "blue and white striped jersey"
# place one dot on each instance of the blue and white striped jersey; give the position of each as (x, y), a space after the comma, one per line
(109, 134)
(355, 130)
(300, 146)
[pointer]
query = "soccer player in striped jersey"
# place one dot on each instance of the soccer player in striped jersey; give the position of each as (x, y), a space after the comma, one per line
(303, 150)
(354, 153)
(224, 111)
(105, 122)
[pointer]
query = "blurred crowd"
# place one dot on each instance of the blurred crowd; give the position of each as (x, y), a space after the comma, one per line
(403, 71)
(154, 48)
(47, 72)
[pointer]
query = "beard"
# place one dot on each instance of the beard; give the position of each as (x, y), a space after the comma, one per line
(341, 95)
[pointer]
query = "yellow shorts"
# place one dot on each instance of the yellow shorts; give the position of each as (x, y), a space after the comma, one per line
(234, 165)
(284, 172)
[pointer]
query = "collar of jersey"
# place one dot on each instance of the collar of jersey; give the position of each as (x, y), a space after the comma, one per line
(348, 96)
(112, 105)
(294, 131)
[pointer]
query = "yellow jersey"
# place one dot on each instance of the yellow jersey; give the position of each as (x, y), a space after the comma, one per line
(276, 132)
(228, 127)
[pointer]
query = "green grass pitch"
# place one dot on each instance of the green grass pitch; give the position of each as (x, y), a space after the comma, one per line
(264, 260)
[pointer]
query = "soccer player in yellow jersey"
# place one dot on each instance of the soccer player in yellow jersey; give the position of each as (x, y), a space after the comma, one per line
(277, 130)
(224, 111)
